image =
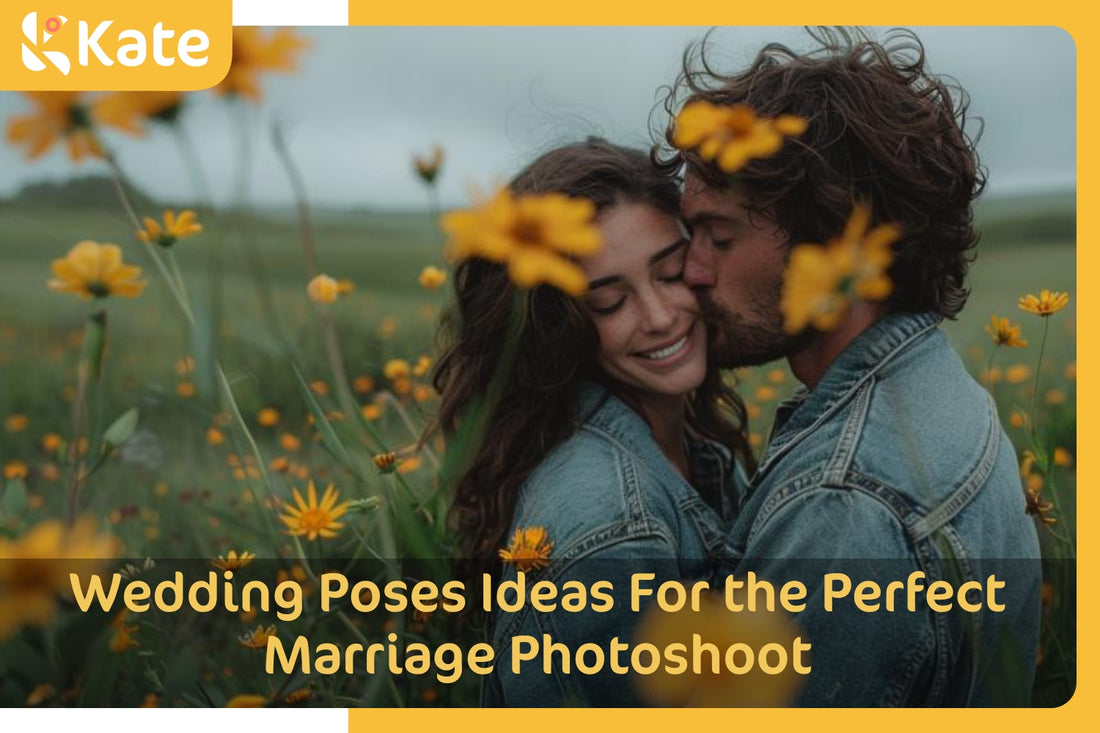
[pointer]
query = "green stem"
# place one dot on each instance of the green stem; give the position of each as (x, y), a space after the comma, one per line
(118, 178)
(1038, 372)
(989, 374)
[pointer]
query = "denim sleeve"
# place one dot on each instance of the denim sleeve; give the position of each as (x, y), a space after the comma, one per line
(532, 686)
(858, 659)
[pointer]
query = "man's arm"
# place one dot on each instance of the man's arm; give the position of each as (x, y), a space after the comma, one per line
(827, 538)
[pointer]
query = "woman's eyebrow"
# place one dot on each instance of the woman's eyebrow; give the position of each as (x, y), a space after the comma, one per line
(609, 280)
(670, 249)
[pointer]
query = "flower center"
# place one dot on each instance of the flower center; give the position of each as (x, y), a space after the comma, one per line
(79, 119)
(98, 288)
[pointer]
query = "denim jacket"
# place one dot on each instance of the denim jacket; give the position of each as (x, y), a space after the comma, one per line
(613, 505)
(896, 462)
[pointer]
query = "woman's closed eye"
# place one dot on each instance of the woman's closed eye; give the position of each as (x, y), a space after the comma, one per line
(606, 306)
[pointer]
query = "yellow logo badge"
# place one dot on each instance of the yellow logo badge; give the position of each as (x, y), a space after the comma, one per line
(115, 45)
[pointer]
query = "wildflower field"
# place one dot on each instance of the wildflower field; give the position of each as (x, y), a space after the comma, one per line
(247, 391)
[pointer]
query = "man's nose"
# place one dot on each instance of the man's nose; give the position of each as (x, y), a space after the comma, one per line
(699, 265)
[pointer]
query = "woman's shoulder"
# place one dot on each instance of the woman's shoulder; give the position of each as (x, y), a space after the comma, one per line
(589, 484)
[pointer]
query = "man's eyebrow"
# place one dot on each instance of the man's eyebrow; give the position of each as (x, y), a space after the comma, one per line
(707, 217)
(657, 257)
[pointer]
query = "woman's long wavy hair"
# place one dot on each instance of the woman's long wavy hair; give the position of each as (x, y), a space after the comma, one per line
(557, 349)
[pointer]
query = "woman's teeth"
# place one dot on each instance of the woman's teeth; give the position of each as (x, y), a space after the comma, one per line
(667, 351)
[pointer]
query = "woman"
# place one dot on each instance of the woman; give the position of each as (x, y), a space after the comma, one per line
(610, 433)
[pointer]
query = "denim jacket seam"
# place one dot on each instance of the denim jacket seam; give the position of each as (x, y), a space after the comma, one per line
(631, 471)
(839, 400)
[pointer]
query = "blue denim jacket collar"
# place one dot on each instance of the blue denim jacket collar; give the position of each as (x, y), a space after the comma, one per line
(711, 462)
(867, 354)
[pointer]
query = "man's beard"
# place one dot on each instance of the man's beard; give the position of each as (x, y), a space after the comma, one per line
(735, 341)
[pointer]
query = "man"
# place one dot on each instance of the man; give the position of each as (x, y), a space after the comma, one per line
(891, 464)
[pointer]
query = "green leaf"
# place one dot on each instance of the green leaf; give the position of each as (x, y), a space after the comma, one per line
(120, 430)
(14, 502)
(328, 433)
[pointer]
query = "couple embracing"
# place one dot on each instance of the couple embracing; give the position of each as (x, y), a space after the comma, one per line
(618, 447)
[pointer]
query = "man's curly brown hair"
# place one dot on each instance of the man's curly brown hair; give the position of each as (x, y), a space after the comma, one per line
(882, 129)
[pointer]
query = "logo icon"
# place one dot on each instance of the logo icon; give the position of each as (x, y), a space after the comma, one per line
(30, 32)
(114, 45)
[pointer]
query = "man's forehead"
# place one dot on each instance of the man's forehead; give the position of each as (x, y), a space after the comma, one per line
(702, 201)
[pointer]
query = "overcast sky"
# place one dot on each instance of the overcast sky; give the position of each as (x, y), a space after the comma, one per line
(366, 99)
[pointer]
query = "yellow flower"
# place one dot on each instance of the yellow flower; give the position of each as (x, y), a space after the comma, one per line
(714, 623)
(732, 135)
(323, 289)
(408, 465)
(290, 442)
(40, 694)
(776, 376)
(129, 110)
(428, 167)
(529, 549)
(1062, 457)
(1046, 304)
(59, 116)
(214, 436)
(255, 51)
(535, 236)
(257, 639)
(35, 567)
(431, 277)
(423, 364)
(388, 327)
(385, 462)
(51, 442)
(280, 464)
(422, 393)
(16, 423)
(268, 417)
(362, 384)
(299, 696)
(1005, 333)
(312, 519)
(1017, 419)
(396, 369)
(123, 638)
(186, 389)
(1017, 373)
(96, 270)
(1036, 504)
(344, 286)
(821, 280)
(233, 561)
(175, 228)
(371, 411)
(1055, 397)
(247, 701)
(1071, 371)
(765, 393)
(151, 700)
(16, 469)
